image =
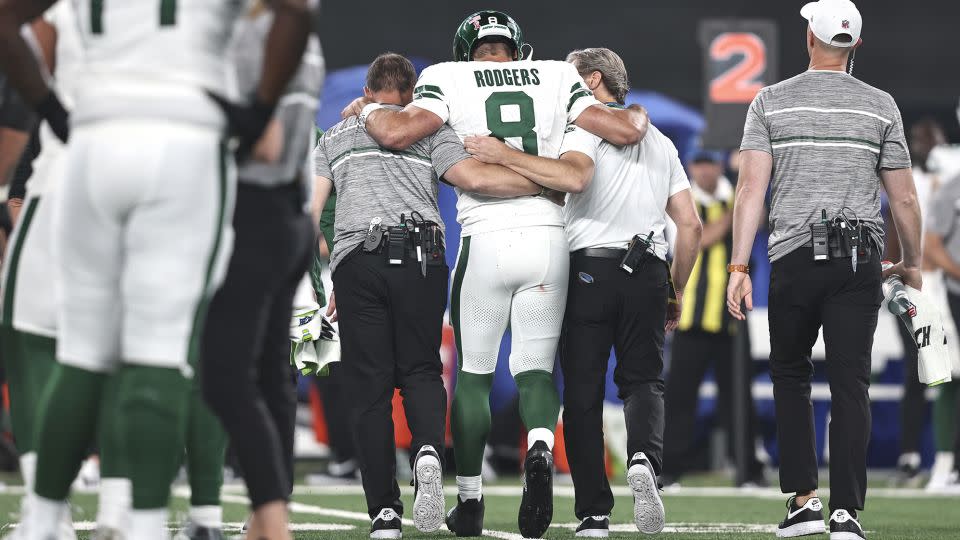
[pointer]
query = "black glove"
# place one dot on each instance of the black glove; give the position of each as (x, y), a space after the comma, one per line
(246, 122)
(51, 110)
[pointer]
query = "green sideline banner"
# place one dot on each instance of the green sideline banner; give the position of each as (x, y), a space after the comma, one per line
(739, 58)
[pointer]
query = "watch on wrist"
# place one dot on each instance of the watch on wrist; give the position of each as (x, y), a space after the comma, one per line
(731, 268)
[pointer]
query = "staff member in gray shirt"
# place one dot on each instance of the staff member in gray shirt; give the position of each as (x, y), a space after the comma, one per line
(390, 282)
(828, 141)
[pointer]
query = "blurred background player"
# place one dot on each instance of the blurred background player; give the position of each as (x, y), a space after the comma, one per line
(705, 334)
(942, 251)
(29, 303)
(923, 136)
(245, 370)
(512, 265)
(172, 69)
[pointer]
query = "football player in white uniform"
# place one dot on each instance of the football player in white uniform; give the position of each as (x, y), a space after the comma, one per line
(29, 304)
(142, 231)
(513, 261)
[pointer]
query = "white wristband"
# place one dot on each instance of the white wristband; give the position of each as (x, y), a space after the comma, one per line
(365, 112)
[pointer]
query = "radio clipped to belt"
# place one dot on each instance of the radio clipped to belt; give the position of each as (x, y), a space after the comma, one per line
(839, 238)
(637, 253)
(414, 237)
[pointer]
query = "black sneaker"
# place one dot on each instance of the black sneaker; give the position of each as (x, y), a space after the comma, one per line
(844, 526)
(802, 520)
(594, 527)
(536, 506)
(428, 504)
(192, 531)
(466, 518)
(386, 525)
(648, 512)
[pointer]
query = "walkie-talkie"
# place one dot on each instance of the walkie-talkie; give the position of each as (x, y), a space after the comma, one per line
(819, 235)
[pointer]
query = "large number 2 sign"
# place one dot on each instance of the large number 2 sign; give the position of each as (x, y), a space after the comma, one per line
(738, 83)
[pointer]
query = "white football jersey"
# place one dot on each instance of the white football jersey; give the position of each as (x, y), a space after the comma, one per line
(137, 50)
(68, 69)
(527, 104)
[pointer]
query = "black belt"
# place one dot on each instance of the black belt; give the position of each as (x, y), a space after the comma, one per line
(838, 249)
(602, 253)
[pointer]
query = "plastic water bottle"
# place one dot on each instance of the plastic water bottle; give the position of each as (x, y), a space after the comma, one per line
(897, 300)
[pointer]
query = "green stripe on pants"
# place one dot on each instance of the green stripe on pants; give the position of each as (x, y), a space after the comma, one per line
(200, 315)
(9, 288)
(455, 295)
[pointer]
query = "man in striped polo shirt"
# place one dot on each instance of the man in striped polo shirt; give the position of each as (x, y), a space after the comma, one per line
(828, 141)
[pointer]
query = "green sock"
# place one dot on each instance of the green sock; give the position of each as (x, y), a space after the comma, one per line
(112, 464)
(18, 386)
(206, 445)
(151, 416)
(470, 421)
(539, 400)
(944, 415)
(38, 355)
(67, 415)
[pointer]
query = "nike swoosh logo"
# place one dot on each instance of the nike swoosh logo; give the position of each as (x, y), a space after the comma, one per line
(790, 514)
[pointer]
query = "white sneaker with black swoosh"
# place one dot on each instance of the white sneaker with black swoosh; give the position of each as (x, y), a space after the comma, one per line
(802, 520)
(844, 526)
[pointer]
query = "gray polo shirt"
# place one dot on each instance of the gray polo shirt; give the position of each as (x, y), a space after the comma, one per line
(829, 134)
(943, 219)
(374, 182)
(295, 110)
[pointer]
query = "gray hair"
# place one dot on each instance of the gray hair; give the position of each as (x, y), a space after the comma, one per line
(610, 66)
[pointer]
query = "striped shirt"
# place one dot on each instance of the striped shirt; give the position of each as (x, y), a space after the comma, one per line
(374, 182)
(829, 134)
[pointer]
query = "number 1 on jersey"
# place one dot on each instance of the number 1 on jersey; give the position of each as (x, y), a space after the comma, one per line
(168, 14)
(522, 127)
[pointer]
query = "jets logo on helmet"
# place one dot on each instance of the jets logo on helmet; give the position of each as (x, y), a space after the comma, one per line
(485, 24)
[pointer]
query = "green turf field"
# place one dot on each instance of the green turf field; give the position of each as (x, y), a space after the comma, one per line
(692, 513)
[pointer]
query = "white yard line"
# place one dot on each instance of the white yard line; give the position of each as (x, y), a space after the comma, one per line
(301, 508)
(623, 491)
(92, 525)
(726, 528)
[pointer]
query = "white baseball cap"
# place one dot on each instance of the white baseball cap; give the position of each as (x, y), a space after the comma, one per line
(830, 18)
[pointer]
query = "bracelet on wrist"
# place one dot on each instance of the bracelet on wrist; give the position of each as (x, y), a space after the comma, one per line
(731, 268)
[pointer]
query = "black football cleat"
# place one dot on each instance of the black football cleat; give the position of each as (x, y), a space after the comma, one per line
(195, 532)
(536, 506)
(466, 518)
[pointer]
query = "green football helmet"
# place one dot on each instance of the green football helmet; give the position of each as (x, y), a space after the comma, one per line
(485, 24)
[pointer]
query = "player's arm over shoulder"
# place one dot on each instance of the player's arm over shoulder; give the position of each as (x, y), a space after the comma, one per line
(398, 130)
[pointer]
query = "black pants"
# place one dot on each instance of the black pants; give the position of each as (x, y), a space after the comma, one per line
(914, 404)
(333, 395)
(391, 325)
(693, 351)
(804, 296)
(245, 362)
(954, 301)
(607, 308)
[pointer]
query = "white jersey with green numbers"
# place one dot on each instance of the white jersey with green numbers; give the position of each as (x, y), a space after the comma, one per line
(527, 104)
(158, 56)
